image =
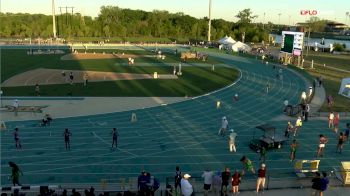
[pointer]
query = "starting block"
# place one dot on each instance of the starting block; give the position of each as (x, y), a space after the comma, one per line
(133, 117)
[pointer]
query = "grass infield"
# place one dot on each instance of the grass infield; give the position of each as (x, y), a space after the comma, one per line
(196, 80)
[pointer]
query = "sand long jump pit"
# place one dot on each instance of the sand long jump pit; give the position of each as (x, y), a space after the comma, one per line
(54, 76)
(87, 56)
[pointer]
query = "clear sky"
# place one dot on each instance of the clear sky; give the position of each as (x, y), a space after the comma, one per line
(225, 9)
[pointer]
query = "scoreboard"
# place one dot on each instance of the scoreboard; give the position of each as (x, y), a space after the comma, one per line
(292, 42)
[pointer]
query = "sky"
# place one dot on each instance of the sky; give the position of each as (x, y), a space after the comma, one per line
(267, 10)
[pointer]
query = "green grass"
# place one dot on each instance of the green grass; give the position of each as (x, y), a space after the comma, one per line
(340, 61)
(195, 81)
(15, 61)
(332, 78)
(332, 81)
(122, 39)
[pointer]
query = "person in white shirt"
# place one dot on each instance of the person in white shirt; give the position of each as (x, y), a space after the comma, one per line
(310, 92)
(186, 187)
(208, 180)
(303, 97)
(224, 124)
(15, 106)
(231, 140)
(331, 120)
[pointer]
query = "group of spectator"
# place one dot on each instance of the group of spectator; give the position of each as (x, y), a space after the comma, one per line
(219, 182)
(147, 184)
(320, 183)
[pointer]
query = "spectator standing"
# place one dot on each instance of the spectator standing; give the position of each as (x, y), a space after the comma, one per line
(67, 135)
(86, 78)
(71, 77)
(322, 143)
(323, 183)
(37, 90)
(236, 180)
(186, 187)
(336, 122)
(320, 81)
(232, 140)
(15, 173)
(288, 129)
(217, 182)
(298, 124)
(115, 135)
(247, 165)
(331, 120)
(340, 144)
(261, 178)
(316, 183)
(235, 97)
(310, 92)
(347, 131)
(330, 101)
(177, 178)
(15, 106)
(293, 149)
(142, 184)
(307, 110)
(17, 140)
(225, 177)
(208, 180)
(286, 105)
(224, 125)
(263, 152)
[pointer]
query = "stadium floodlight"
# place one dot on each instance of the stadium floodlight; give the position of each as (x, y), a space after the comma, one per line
(53, 19)
(209, 23)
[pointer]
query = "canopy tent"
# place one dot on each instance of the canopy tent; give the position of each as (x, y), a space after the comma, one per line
(226, 40)
(345, 87)
(239, 46)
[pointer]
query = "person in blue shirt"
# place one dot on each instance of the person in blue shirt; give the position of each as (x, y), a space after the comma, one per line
(347, 131)
(323, 183)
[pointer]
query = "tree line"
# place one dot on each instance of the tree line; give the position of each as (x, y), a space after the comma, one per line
(117, 22)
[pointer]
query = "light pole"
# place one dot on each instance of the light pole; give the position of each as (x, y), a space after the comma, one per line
(289, 20)
(347, 16)
(54, 20)
(264, 21)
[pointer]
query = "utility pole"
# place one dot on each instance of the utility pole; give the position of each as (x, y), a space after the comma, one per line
(209, 23)
(53, 20)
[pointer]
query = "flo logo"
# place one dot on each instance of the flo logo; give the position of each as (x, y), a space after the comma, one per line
(308, 12)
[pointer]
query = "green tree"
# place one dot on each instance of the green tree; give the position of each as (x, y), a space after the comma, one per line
(245, 17)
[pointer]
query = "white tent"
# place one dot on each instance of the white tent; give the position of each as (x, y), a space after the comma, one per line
(226, 40)
(345, 87)
(222, 40)
(239, 46)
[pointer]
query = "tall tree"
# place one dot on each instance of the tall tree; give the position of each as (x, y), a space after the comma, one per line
(245, 16)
